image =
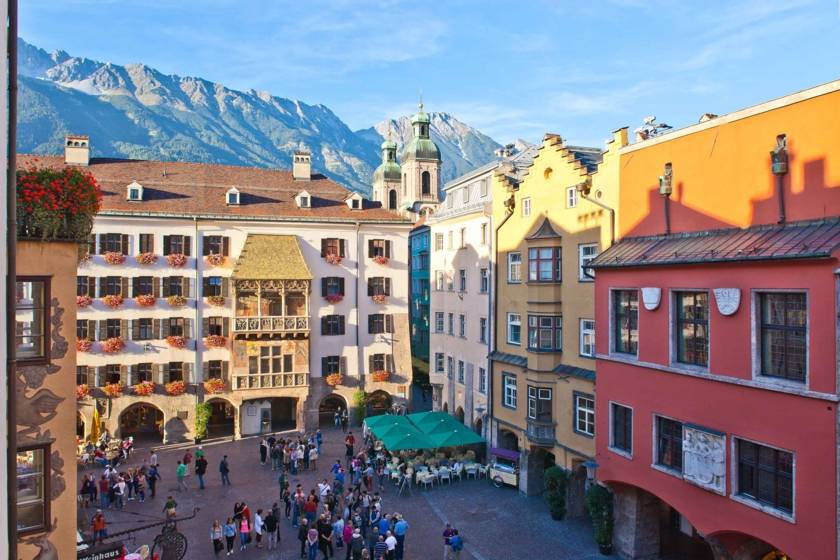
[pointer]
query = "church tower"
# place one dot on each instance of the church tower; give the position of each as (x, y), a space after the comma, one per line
(387, 178)
(420, 169)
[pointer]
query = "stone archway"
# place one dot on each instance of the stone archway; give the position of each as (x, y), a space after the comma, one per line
(329, 405)
(508, 440)
(446, 407)
(459, 414)
(478, 426)
(142, 421)
(379, 402)
(222, 421)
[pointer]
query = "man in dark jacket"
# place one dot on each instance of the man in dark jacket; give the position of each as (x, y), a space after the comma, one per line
(200, 469)
(224, 470)
(357, 545)
(270, 525)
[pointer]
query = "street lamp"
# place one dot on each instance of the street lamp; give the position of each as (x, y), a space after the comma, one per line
(591, 468)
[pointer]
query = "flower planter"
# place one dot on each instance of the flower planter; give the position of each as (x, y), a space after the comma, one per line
(113, 390)
(379, 259)
(85, 259)
(215, 260)
(333, 299)
(146, 300)
(216, 301)
(379, 299)
(214, 386)
(113, 257)
(380, 376)
(113, 345)
(333, 259)
(113, 301)
(144, 388)
(178, 342)
(176, 388)
(176, 260)
(176, 301)
(84, 345)
(82, 392)
(83, 301)
(215, 341)
(334, 379)
(146, 258)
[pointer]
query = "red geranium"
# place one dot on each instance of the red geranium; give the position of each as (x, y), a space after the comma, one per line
(146, 258)
(175, 341)
(83, 301)
(83, 344)
(176, 260)
(145, 300)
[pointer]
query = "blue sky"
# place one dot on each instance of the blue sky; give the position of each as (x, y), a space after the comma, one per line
(512, 69)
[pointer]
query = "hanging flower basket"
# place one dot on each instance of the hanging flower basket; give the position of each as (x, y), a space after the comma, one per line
(215, 260)
(176, 301)
(176, 388)
(380, 376)
(145, 300)
(113, 301)
(113, 389)
(83, 301)
(214, 385)
(146, 258)
(333, 258)
(216, 301)
(83, 344)
(176, 260)
(113, 345)
(334, 379)
(113, 257)
(379, 298)
(380, 259)
(215, 341)
(178, 342)
(144, 388)
(82, 392)
(335, 298)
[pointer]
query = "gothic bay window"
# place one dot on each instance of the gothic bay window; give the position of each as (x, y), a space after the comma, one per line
(544, 264)
(176, 244)
(379, 286)
(692, 328)
(247, 304)
(669, 439)
(585, 414)
(783, 325)
(765, 475)
(33, 488)
(380, 323)
(379, 248)
(295, 304)
(545, 333)
(626, 321)
(216, 245)
(32, 319)
(332, 286)
(539, 404)
(143, 286)
(270, 360)
(332, 325)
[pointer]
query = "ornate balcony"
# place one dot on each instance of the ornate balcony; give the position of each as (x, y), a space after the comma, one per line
(541, 433)
(279, 324)
(269, 381)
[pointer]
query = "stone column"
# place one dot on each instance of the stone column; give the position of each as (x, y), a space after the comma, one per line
(636, 532)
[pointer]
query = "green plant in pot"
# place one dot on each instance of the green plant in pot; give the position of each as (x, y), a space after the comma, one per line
(360, 402)
(599, 503)
(555, 480)
(202, 418)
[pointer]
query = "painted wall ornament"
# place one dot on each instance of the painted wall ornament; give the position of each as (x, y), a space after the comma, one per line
(728, 300)
(704, 459)
(651, 298)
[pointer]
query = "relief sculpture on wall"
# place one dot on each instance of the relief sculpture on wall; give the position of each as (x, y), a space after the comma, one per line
(704, 459)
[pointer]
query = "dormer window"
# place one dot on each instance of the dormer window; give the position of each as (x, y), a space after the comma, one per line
(134, 192)
(232, 197)
(354, 201)
(303, 199)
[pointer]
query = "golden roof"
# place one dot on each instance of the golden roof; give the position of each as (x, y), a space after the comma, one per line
(271, 257)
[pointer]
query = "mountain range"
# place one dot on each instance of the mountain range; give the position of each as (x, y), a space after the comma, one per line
(135, 111)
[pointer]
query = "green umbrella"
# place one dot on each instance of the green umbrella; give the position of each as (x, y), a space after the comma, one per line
(377, 420)
(428, 420)
(406, 439)
(454, 438)
(382, 429)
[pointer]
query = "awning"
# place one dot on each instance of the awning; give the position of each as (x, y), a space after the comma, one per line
(406, 439)
(508, 454)
(461, 436)
(271, 257)
(392, 425)
(422, 430)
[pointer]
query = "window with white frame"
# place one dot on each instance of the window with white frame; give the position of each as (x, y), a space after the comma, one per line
(586, 253)
(450, 240)
(439, 365)
(484, 233)
(587, 338)
(765, 475)
(462, 280)
(450, 320)
(584, 414)
(509, 390)
(450, 365)
(514, 268)
(526, 207)
(514, 328)
(465, 194)
(438, 321)
(691, 328)
(484, 281)
(463, 238)
(783, 325)
(626, 321)
(621, 428)
(482, 380)
(545, 333)
(669, 437)
(571, 197)
(439, 280)
(462, 325)
(482, 330)
(438, 242)
(461, 372)
(484, 182)
(539, 404)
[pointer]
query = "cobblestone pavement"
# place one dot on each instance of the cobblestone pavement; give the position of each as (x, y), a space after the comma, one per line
(497, 523)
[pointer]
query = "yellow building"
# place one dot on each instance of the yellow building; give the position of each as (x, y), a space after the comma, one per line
(547, 226)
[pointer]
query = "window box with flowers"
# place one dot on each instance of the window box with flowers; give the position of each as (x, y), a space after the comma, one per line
(113, 301)
(178, 342)
(176, 301)
(146, 258)
(144, 388)
(216, 301)
(215, 385)
(214, 259)
(83, 344)
(85, 259)
(215, 341)
(113, 345)
(176, 260)
(113, 257)
(334, 298)
(176, 388)
(379, 298)
(82, 392)
(83, 301)
(333, 258)
(113, 390)
(145, 300)
(380, 376)
(380, 259)
(334, 379)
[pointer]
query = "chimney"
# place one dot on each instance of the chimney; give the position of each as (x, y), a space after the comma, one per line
(76, 150)
(302, 166)
(707, 117)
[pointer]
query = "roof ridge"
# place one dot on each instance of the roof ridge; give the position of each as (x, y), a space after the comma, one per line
(756, 227)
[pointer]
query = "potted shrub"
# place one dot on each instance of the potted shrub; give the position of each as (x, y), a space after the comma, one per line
(215, 260)
(333, 258)
(214, 385)
(360, 402)
(215, 341)
(556, 480)
(83, 301)
(176, 301)
(176, 260)
(82, 392)
(381, 299)
(113, 301)
(113, 257)
(113, 345)
(113, 390)
(216, 301)
(83, 344)
(145, 300)
(176, 341)
(380, 259)
(334, 379)
(203, 412)
(334, 298)
(176, 388)
(380, 376)
(144, 388)
(599, 503)
(146, 258)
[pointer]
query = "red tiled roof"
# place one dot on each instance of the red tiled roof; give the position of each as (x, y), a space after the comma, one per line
(794, 240)
(188, 189)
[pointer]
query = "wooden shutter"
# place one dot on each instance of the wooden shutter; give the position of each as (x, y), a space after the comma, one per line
(226, 246)
(188, 368)
(132, 374)
(135, 286)
(370, 324)
(123, 374)
(387, 286)
(370, 286)
(135, 329)
(103, 329)
(103, 286)
(205, 247)
(156, 286)
(388, 249)
(124, 244)
(205, 326)
(225, 287)
(100, 243)
(124, 332)
(91, 329)
(124, 286)
(341, 286)
(224, 370)
(324, 287)
(370, 249)
(186, 286)
(323, 248)
(165, 290)
(389, 361)
(91, 286)
(324, 366)
(164, 372)
(342, 365)
(389, 323)
(205, 370)
(341, 251)
(324, 325)
(164, 323)
(90, 374)
(98, 376)
(166, 245)
(370, 364)
(189, 328)
(157, 328)
(341, 324)
(225, 326)
(187, 245)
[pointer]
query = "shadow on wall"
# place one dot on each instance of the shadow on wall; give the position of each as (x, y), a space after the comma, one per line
(175, 431)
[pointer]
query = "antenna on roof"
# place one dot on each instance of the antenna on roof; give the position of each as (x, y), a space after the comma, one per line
(420, 105)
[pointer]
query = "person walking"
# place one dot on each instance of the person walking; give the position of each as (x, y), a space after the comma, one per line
(140, 485)
(224, 471)
(152, 478)
(119, 493)
(244, 532)
(200, 469)
(313, 458)
(181, 474)
(99, 526)
(325, 536)
(400, 527)
(380, 549)
(258, 527)
(263, 450)
(104, 489)
(216, 535)
(229, 531)
(270, 527)
(391, 542)
(456, 545)
(447, 536)
(303, 531)
(319, 439)
(349, 442)
(357, 545)
(344, 421)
